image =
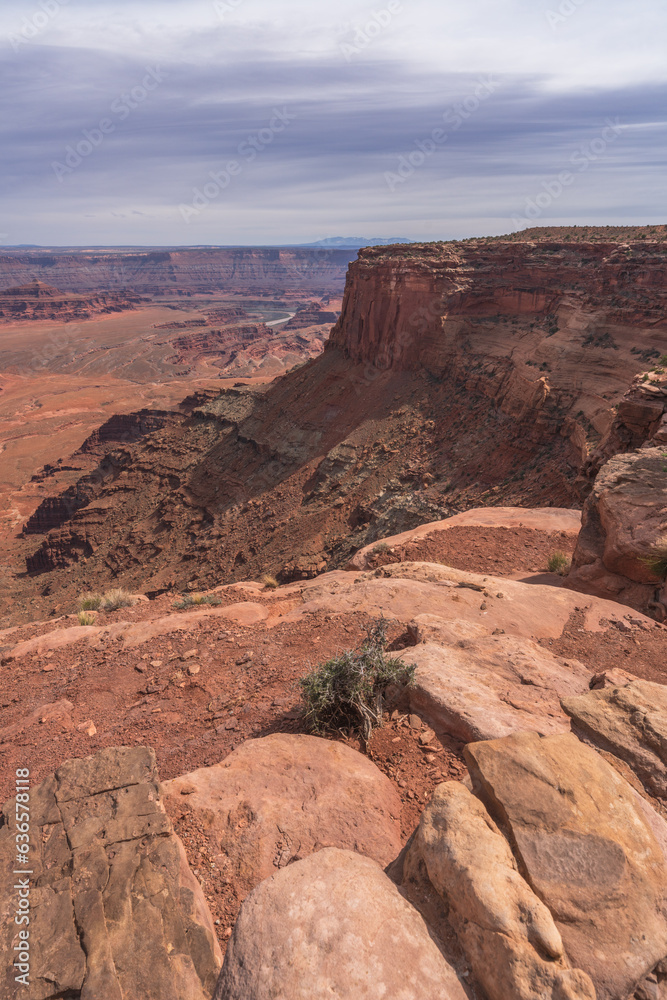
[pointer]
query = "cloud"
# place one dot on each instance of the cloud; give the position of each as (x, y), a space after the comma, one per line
(138, 125)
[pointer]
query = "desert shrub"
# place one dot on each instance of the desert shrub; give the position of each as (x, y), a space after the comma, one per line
(112, 600)
(559, 563)
(380, 549)
(269, 581)
(657, 561)
(347, 691)
(192, 600)
(85, 618)
(90, 602)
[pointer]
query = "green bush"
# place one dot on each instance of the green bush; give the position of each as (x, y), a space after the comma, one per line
(85, 618)
(380, 549)
(193, 600)
(347, 692)
(559, 563)
(269, 581)
(657, 561)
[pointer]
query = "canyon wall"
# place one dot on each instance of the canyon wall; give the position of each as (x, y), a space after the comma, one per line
(179, 272)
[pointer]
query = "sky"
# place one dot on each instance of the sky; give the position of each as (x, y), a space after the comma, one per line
(254, 122)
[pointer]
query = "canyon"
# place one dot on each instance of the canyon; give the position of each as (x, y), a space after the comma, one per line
(458, 375)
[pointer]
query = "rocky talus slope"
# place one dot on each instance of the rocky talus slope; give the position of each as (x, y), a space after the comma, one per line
(457, 375)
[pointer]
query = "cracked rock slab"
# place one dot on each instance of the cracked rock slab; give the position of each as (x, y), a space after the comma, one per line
(487, 687)
(587, 849)
(630, 722)
(333, 926)
(115, 911)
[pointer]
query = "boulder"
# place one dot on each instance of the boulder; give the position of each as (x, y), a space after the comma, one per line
(587, 850)
(333, 926)
(115, 911)
(507, 934)
(631, 723)
(279, 799)
(487, 687)
(624, 528)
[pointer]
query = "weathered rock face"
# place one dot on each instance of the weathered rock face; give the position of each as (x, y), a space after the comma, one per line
(39, 301)
(486, 687)
(116, 912)
(631, 723)
(586, 850)
(279, 799)
(508, 935)
(333, 926)
(623, 540)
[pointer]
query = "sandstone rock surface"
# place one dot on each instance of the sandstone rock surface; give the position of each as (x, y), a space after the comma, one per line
(551, 519)
(586, 849)
(333, 926)
(115, 911)
(279, 799)
(630, 722)
(488, 687)
(507, 934)
(624, 527)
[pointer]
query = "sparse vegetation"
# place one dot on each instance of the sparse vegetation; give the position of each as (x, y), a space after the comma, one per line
(347, 691)
(85, 618)
(109, 601)
(559, 563)
(380, 549)
(269, 581)
(112, 600)
(90, 602)
(657, 561)
(192, 600)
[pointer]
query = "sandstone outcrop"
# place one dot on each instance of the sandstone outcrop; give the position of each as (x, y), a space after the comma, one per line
(622, 549)
(630, 722)
(279, 799)
(486, 687)
(115, 911)
(331, 926)
(585, 848)
(562, 526)
(507, 934)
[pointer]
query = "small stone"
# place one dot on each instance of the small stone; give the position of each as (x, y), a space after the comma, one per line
(140, 668)
(190, 655)
(228, 933)
(483, 606)
(414, 722)
(156, 663)
(89, 728)
(194, 669)
(426, 737)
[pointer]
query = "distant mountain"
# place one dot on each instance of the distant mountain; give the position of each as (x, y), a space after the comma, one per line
(356, 242)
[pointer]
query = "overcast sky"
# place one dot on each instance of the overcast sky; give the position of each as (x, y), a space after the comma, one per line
(259, 121)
